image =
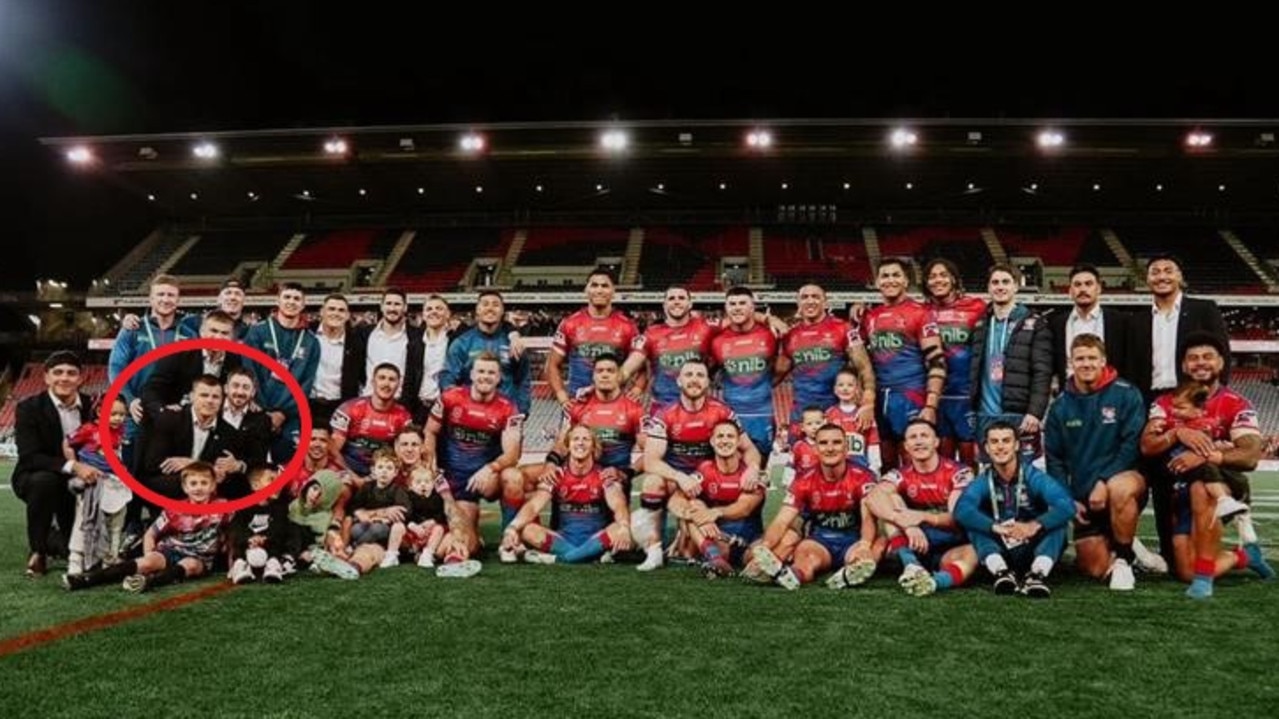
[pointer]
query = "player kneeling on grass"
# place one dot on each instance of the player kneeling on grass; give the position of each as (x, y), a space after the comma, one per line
(718, 514)
(1016, 516)
(176, 547)
(592, 513)
(378, 510)
(917, 502)
(841, 529)
(258, 534)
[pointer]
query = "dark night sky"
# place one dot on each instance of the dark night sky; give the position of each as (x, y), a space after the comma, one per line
(131, 67)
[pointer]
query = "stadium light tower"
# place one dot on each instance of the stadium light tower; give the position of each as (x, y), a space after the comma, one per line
(336, 146)
(614, 141)
(206, 151)
(1050, 140)
(472, 143)
(759, 139)
(80, 155)
(1198, 140)
(903, 139)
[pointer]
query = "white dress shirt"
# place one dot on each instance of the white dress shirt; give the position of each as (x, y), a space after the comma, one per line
(199, 434)
(69, 418)
(385, 348)
(432, 363)
(1076, 324)
(328, 376)
(1163, 345)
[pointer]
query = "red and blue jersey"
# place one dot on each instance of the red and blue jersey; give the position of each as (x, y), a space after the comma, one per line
(367, 429)
(580, 499)
(930, 491)
(581, 338)
(1227, 415)
(720, 489)
(746, 362)
(471, 431)
(831, 506)
(191, 535)
(818, 351)
(804, 456)
(857, 439)
(687, 433)
(616, 423)
(894, 335)
(667, 349)
(955, 323)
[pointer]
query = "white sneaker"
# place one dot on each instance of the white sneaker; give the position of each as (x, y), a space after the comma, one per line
(240, 572)
(653, 558)
(392, 559)
(329, 564)
(1148, 561)
(771, 566)
(1243, 526)
(1228, 507)
(851, 575)
(274, 571)
(459, 570)
(607, 558)
(1121, 578)
(507, 556)
(425, 560)
(532, 556)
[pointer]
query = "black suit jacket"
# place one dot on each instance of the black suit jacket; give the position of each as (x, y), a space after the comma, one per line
(1196, 315)
(171, 434)
(172, 378)
(1118, 337)
(39, 433)
(253, 439)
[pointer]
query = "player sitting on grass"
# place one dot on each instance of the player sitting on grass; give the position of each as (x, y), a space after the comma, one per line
(1016, 516)
(719, 516)
(841, 529)
(379, 508)
(917, 501)
(258, 534)
(176, 547)
(592, 516)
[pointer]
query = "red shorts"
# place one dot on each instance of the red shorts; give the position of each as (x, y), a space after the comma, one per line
(415, 540)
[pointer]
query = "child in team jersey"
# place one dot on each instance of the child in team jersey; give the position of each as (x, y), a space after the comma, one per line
(98, 533)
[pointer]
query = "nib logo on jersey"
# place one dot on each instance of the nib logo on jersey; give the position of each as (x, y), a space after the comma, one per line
(745, 365)
(952, 335)
(813, 355)
(886, 341)
(676, 360)
(591, 350)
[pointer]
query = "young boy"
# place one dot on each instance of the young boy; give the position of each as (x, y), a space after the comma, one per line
(258, 534)
(97, 536)
(379, 508)
(177, 547)
(863, 444)
(428, 519)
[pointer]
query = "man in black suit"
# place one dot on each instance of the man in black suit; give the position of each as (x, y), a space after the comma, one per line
(1157, 343)
(173, 375)
(178, 437)
(341, 370)
(41, 474)
(251, 435)
(1088, 316)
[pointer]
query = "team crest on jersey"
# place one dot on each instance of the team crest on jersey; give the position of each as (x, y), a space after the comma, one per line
(455, 414)
(912, 491)
(1108, 415)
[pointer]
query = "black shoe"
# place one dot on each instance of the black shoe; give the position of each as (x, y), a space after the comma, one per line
(73, 582)
(1035, 587)
(1006, 582)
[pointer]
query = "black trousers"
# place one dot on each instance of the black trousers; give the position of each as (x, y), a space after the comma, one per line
(47, 497)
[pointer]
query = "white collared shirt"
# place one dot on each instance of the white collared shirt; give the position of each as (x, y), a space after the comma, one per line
(211, 367)
(233, 417)
(200, 435)
(1163, 345)
(436, 350)
(69, 418)
(1092, 323)
(328, 376)
(385, 348)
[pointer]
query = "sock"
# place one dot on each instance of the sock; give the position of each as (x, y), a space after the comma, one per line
(168, 575)
(950, 575)
(995, 564)
(1241, 558)
(1042, 565)
(115, 573)
(710, 551)
(1124, 552)
(588, 550)
(509, 510)
(1205, 569)
(907, 556)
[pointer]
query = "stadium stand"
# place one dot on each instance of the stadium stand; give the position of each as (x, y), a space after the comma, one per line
(340, 249)
(961, 245)
(1210, 265)
(689, 256)
(836, 260)
(218, 253)
(438, 258)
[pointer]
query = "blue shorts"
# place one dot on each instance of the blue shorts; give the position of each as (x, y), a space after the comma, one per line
(174, 557)
(743, 532)
(894, 410)
(458, 487)
(940, 541)
(837, 543)
(577, 530)
(760, 429)
(956, 419)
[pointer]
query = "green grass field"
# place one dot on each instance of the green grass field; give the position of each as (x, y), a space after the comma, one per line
(597, 640)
